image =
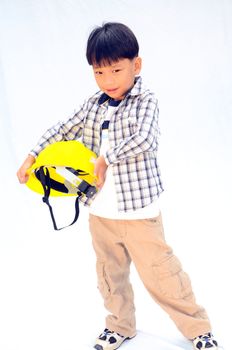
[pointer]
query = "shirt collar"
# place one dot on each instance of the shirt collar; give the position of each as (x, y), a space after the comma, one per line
(137, 89)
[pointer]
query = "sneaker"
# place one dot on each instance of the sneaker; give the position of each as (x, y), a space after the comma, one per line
(109, 340)
(205, 341)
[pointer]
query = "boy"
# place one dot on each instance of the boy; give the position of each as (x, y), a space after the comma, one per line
(120, 124)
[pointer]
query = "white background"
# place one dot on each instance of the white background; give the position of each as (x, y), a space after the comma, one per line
(48, 294)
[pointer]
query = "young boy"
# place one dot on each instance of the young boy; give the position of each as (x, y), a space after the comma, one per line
(120, 124)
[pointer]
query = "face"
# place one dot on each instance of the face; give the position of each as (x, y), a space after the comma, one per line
(117, 78)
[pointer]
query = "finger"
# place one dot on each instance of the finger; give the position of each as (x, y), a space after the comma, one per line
(99, 183)
(22, 178)
(100, 180)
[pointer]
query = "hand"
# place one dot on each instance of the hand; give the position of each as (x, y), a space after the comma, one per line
(100, 171)
(22, 172)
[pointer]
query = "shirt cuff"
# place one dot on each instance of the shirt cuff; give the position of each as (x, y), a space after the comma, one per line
(110, 157)
(33, 153)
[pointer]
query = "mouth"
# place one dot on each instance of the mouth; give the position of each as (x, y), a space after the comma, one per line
(110, 91)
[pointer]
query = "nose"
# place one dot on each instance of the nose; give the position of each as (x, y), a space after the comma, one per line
(109, 80)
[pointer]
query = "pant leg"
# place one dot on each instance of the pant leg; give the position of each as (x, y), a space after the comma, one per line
(162, 275)
(113, 268)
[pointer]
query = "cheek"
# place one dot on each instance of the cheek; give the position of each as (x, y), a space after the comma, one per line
(98, 80)
(129, 79)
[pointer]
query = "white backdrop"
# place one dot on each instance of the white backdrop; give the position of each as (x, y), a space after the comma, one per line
(48, 294)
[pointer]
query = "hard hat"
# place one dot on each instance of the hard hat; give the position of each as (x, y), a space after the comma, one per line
(64, 168)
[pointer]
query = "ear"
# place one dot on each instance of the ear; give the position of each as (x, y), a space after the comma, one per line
(137, 65)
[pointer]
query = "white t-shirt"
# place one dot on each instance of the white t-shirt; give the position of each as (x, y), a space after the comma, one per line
(105, 203)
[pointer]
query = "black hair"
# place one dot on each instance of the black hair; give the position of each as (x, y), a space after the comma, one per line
(111, 42)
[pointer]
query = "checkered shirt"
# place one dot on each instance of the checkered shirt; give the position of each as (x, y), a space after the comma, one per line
(133, 138)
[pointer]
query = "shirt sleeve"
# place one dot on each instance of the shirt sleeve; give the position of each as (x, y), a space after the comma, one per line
(62, 131)
(145, 139)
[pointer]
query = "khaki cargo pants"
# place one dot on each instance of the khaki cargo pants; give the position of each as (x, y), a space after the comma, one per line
(117, 243)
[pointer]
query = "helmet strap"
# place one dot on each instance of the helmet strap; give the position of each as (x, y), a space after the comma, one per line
(44, 178)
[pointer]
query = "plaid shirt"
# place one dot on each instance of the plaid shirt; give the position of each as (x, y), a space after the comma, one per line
(133, 138)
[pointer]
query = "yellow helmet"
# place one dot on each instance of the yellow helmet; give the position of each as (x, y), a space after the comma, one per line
(64, 168)
(69, 164)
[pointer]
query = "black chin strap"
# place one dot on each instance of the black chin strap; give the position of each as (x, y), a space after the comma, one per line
(45, 180)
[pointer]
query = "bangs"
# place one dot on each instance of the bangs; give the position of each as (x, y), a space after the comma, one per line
(104, 54)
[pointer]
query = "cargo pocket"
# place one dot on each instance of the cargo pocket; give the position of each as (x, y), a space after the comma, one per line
(103, 284)
(172, 281)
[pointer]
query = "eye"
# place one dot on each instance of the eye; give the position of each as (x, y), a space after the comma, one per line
(116, 70)
(97, 72)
